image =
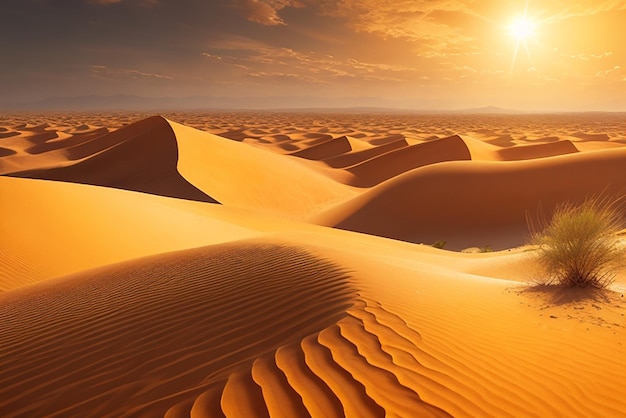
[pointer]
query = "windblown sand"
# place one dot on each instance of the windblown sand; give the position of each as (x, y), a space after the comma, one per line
(276, 264)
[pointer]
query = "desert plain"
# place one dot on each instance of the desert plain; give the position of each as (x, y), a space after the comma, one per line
(284, 264)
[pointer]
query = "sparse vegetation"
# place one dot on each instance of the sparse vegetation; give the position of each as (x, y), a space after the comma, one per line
(579, 246)
(440, 244)
(486, 249)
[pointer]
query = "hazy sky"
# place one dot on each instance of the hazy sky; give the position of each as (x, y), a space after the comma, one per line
(405, 53)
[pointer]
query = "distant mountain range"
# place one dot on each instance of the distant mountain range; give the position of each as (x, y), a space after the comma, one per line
(198, 103)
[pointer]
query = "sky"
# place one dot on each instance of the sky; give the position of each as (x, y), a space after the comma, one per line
(419, 54)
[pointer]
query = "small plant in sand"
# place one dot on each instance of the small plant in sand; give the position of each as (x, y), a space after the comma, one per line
(579, 246)
(440, 244)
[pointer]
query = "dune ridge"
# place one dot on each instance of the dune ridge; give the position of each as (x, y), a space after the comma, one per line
(327, 149)
(239, 175)
(141, 157)
(477, 203)
(390, 164)
(359, 156)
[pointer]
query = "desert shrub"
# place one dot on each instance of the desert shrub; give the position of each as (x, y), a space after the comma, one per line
(579, 246)
(440, 244)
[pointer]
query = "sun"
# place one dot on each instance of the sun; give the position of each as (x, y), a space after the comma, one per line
(522, 28)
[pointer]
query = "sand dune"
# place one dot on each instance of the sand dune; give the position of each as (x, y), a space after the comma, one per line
(297, 330)
(141, 157)
(395, 162)
(326, 149)
(478, 203)
(73, 227)
(359, 156)
(484, 151)
(158, 328)
(529, 152)
(6, 151)
(75, 142)
(126, 296)
(242, 176)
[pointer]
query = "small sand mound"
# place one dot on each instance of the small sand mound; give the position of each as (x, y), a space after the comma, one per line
(393, 163)
(358, 156)
(326, 149)
(528, 152)
(77, 141)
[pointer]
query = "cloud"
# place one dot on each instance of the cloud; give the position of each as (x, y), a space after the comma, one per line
(214, 57)
(260, 61)
(608, 72)
(432, 25)
(116, 73)
(265, 12)
(583, 8)
(588, 57)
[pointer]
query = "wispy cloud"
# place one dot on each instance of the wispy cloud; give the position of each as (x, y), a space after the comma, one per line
(108, 72)
(616, 69)
(581, 8)
(589, 57)
(274, 63)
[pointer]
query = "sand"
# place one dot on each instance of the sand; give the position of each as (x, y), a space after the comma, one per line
(279, 265)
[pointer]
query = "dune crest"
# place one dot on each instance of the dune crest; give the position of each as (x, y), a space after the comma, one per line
(141, 157)
(478, 203)
(390, 164)
(240, 175)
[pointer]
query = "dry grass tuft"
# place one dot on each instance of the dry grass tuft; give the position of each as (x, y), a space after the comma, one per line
(579, 246)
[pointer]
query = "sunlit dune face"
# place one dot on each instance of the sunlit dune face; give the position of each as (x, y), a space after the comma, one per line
(522, 28)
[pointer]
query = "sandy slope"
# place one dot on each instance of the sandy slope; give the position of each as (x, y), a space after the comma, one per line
(123, 303)
(478, 203)
(282, 328)
(52, 228)
(242, 176)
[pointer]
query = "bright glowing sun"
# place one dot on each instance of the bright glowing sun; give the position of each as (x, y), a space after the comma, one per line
(522, 28)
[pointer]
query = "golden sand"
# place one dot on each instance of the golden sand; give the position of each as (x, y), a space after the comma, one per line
(189, 269)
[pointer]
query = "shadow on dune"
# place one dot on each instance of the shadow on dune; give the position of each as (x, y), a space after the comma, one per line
(5, 151)
(140, 157)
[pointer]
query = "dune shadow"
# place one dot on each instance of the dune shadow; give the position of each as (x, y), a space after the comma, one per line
(591, 137)
(8, 134)
(6, 151)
